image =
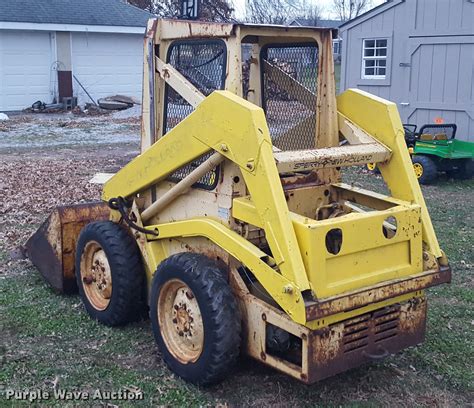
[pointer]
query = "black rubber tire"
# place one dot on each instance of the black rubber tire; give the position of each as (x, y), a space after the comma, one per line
(465, 170)
(430, 170)
(219, 311)
(128, 300)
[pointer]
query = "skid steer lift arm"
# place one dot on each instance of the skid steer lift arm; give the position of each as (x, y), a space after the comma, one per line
(238, 130)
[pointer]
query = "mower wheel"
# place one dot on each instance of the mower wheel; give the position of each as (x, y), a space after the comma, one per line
(464, 170)
(195, 318)
(425, 169)
(373, 168)
(110, 274)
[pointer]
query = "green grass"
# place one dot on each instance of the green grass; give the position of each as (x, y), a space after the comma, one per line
(48, 339)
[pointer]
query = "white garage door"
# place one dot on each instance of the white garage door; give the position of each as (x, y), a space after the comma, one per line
(107, 64)
(25, 68)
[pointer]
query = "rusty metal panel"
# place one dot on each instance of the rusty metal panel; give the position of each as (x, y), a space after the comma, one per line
(335, 348)
(52, 248)
(376, 293)
(366, 338)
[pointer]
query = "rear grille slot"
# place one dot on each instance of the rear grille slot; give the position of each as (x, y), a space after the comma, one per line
(356, 333)
(373, 328)
(386, 323)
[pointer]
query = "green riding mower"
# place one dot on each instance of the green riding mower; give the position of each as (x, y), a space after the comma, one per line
(435, 149)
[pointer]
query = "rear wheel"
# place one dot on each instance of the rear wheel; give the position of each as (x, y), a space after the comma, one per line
(464, 169)
(110, 274)
(195, 318)
(425, 169)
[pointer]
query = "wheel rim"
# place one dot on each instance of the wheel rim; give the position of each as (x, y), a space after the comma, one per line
(180, 321)
(96, 276)
(418, 169)
(371, 166)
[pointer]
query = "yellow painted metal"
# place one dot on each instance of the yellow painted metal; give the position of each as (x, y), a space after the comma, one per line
(247, 253)
(339, 317)
(380, 119)
(300, 261)
(297, 243)
(224, 119)
(365, 258)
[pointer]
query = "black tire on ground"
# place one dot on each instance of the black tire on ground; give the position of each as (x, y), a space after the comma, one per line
(464, 170)
(127, 301)
(429, 170)
(218, 315)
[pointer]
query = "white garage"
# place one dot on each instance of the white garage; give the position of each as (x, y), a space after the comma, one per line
(106, 65)
(54, 50)
(25, 68)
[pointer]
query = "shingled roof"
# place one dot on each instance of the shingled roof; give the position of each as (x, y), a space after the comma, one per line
(82, 12)
(304, 22)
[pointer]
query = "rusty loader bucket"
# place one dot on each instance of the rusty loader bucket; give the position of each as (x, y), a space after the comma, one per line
(52, 248)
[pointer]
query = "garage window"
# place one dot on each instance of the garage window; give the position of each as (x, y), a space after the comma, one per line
(374, 58)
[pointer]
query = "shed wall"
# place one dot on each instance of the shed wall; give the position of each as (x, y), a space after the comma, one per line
(430, 60)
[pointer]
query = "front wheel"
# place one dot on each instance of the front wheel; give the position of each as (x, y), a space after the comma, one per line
(425, 169)
(110, 274)
(195, 318)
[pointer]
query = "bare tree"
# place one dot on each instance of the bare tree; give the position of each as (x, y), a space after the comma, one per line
(311, 13)
(281, 11)
(162, 8)
(266, 11)
(348, 9)
(147, 5)
(210, 10)
(216, 10)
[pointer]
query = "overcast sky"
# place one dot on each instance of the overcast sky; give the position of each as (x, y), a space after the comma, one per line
(325, 5)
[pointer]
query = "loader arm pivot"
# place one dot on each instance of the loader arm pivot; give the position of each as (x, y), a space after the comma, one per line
(380, 118)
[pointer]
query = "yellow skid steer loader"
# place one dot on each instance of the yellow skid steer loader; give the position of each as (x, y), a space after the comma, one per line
(233, 228)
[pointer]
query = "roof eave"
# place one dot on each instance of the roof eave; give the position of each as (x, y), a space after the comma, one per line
(7, 25)
(369, 14)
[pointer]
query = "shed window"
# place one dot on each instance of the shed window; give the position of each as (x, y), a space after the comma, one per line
(374, 58)
(336, 47)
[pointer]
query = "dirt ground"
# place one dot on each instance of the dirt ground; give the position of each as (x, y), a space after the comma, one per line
(49, 343)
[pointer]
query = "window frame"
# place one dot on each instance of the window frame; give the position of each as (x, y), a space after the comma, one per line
(374, 58)
(313, 43)
(388, 35)
(171, 177)
(188, 41)
(336, 46)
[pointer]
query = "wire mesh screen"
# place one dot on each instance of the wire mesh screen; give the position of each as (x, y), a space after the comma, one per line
(289, 91)
(203, 64)
(246, 54)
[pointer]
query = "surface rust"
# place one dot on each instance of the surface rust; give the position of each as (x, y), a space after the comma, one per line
(364, 339)
(305, 180)
(355, 300)
(52, 248)
(152, 31)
